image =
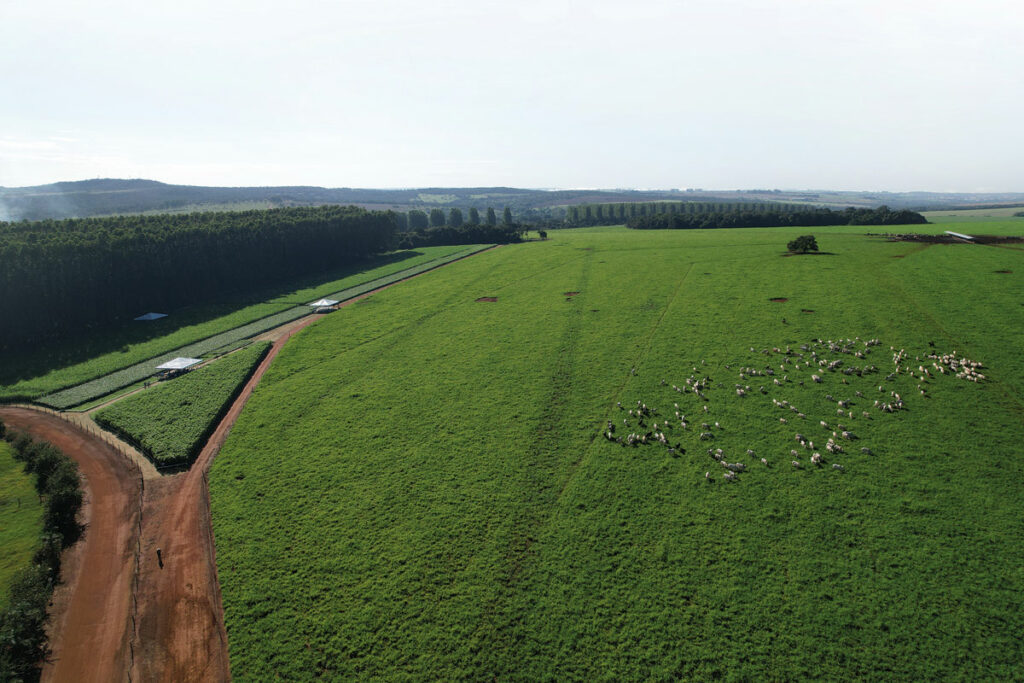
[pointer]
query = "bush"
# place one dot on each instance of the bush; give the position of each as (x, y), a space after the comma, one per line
(22, 624)
(803, 244)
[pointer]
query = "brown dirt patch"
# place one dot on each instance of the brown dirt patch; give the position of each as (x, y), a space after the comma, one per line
(807, 310)
(778, 299)
(570, 293)
(487, 299)
(1004, 271)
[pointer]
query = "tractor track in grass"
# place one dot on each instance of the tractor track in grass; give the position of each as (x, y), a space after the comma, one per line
(125, 613)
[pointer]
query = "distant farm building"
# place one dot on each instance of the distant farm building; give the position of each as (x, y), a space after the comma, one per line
(177, 366)
(324, 305)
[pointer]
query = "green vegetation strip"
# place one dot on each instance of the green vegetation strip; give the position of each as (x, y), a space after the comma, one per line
(102, 386)
(171, 421)
(29, 374)
(21, 520)
(420, 489)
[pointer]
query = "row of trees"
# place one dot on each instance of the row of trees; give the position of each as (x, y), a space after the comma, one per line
(742, 216)
(618, 213)
(464, 234)
(436, 218)
(59, 277)
(22, 624)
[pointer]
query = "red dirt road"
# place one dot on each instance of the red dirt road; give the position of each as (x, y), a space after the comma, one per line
(180, 633)
(174, 602)
(92, 619)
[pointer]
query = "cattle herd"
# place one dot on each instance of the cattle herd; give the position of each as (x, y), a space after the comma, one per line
(841, 364)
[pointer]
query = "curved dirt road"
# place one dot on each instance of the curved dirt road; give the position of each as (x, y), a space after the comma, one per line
(91, 626)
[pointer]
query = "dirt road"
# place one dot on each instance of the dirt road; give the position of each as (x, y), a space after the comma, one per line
(175, 603)
(91, 624)
(180, 633)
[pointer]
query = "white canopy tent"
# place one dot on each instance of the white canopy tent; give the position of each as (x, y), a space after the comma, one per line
(179, 363)
(323, 303)
(152, 316)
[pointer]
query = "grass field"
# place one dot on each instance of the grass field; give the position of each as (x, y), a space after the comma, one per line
(53, 367)
(977, 216)
(170, 421)
(21, 519)
(419, 489)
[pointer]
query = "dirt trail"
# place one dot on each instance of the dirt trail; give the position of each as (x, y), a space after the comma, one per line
(92, 609)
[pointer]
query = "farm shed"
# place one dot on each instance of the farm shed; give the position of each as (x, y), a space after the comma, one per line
(324, 305)
(176, 366)
(151, 316)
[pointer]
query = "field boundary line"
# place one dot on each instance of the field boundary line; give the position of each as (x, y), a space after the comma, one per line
(289, 314)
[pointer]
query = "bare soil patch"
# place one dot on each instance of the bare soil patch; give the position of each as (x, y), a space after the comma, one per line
(570, 293)
(487, 299)
(807, 310)
(948, 239)
(1004, 271)
(778, 299)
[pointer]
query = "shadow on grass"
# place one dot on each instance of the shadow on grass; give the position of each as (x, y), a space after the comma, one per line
(809, 253)
(118, 335)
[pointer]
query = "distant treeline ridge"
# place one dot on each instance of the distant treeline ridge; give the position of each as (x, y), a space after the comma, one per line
(757, 217)
(59, 277)
(650, 215)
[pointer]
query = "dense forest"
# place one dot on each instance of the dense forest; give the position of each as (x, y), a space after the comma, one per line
(759, 217)
(59, 277)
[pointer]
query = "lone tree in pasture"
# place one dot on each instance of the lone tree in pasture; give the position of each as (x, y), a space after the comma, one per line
(803, 244)
(543, 234)
(506, 218)
(455, 218)
(474, 216)
(492, 219)
(436, 218)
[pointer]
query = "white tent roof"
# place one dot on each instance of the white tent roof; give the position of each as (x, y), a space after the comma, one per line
(323, 302)
(179, 363)
(152, 316)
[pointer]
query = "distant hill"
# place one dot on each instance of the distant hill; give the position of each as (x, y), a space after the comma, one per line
(114, 196)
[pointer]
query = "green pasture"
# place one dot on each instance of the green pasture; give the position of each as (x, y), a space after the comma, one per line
(420, 490)
(128, 348)
(170, 421)
(979, 216)
(21, 519)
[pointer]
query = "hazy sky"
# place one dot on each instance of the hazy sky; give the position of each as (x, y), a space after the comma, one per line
(854, 94)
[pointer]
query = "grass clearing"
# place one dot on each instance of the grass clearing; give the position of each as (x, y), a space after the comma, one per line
(171, 421)
(53, 367)
(419, 489)
(21, 519)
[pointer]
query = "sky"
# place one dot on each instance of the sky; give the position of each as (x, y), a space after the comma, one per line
(719, 94)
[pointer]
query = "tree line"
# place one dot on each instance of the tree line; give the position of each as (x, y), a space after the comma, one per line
(739, 216)
(418, 219)
(22, 624)
(60, 277)
(620, 212)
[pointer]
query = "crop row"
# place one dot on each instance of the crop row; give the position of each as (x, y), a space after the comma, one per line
(170, 421)
(101, 386)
